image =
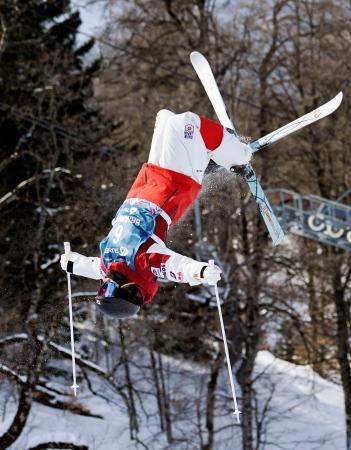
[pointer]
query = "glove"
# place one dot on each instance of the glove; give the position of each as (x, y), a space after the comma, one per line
(211, 275)
(67, 261)
(84, 266)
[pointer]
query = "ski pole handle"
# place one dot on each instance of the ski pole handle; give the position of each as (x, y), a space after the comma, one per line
(67, 247)
(212, 265)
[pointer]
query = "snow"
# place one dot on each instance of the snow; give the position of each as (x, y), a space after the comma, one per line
(93, 19)
(309, 408)
(50, 261)
(13, 337)
(305, 411)
(8, 370)
(66, 351)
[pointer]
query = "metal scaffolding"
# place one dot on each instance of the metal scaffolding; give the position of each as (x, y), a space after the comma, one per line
(317, 218)
(313, 217)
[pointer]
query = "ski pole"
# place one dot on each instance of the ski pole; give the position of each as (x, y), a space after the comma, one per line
(74, 386)
(236, 410)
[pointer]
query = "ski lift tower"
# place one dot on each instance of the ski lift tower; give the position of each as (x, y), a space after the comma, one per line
(317, 218)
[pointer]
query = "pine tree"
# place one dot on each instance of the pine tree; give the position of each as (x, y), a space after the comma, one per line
(47, 124)
(45, 88)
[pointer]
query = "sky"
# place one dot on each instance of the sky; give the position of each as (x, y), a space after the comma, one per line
(92, 16)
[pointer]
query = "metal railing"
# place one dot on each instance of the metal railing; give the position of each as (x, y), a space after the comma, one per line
(314, 217)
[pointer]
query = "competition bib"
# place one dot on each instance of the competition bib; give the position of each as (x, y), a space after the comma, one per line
(133, 224)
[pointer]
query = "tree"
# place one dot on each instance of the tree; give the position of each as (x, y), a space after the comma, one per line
(46, 87)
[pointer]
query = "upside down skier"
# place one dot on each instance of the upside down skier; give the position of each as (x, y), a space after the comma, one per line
(134, 255)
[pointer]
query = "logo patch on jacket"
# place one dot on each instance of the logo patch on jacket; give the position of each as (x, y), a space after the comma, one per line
(157, 272)
(163, 270)
(189, 131)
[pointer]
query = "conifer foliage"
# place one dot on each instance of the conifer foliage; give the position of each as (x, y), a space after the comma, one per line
(47, 126)
(44, 118)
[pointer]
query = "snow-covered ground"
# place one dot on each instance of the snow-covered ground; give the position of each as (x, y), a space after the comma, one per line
(305, 412)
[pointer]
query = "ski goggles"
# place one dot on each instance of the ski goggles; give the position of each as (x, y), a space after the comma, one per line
(108, 289)
(111, 289)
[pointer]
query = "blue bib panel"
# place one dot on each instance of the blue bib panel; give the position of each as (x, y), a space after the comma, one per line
(133, 224)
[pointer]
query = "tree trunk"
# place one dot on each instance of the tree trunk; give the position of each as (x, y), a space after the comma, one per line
(20, 420)
(166, 403)
(133, 420)
(158, 390)
(247, 416)
(343, 351)
(211, 399)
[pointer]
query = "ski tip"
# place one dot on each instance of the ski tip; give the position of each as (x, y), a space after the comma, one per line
(280, 239)
(338, 99)
(332, 105)
(197, 58)
(195, 54)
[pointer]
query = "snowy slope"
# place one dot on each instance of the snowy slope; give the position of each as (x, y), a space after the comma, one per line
(306, 410)
(305, 413)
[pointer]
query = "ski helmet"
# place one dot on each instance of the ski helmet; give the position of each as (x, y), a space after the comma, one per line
(117, 298)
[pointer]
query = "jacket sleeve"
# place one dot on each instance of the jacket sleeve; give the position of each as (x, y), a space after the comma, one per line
(166, 264)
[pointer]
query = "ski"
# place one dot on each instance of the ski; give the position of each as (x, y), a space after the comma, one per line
(299, 123)
(205, 74)
(275, 230)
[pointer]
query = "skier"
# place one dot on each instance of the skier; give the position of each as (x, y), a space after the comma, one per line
(134, 254)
